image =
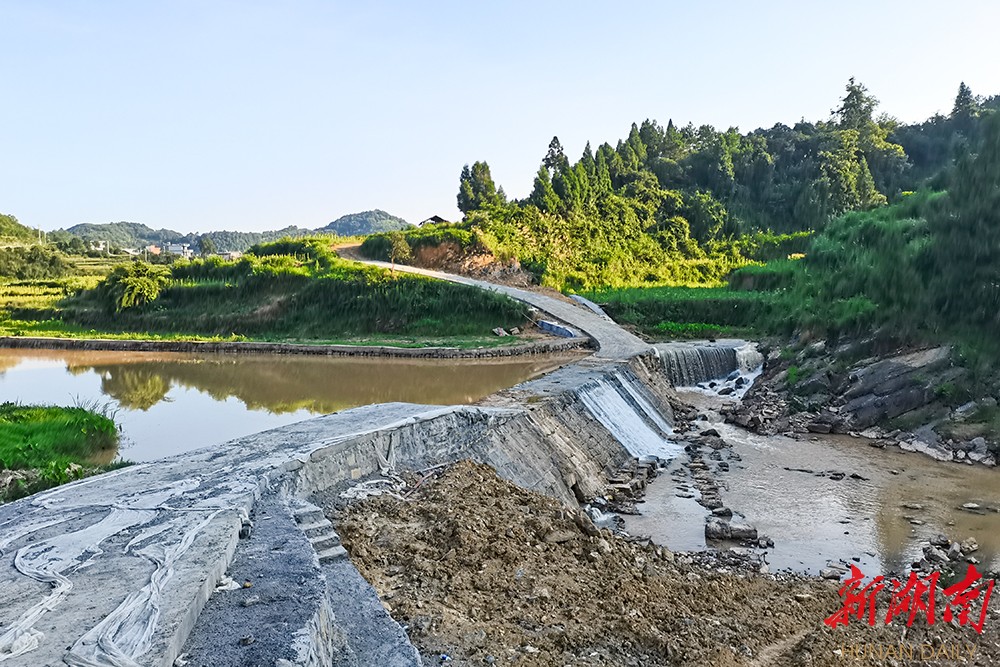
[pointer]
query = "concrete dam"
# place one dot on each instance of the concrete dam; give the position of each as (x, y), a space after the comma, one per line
(133, 567)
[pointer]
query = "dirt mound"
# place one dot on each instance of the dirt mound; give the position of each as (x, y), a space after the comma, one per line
(488, 573)
(452, 258)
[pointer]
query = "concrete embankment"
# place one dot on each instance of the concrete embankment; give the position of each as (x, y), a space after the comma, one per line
(115, 570)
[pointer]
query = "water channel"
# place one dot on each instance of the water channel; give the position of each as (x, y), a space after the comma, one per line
(783, 486)
(169, 403)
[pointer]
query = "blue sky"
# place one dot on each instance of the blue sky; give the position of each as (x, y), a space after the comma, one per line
(255, 115)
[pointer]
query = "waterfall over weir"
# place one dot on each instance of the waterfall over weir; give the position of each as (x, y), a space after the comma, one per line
(687, 364)
(619, 404)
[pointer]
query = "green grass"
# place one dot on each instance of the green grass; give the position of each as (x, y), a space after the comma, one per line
(35, 436)
(289, 291)
(42, 446)
(692, 311)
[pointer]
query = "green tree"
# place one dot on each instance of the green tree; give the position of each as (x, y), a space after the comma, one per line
(965, 109)
(399, 250)
(207, 246)
(476, 188)
(856, 108)
(543, 195)
(133, 285)
(965, 271)
(555, 157)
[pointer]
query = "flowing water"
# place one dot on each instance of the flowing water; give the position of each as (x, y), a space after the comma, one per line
(784, 488)
(168, 403)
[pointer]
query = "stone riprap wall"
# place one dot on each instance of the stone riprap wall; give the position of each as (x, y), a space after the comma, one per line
(115, 570)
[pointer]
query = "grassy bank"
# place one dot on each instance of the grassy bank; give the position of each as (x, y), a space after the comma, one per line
(43, 446)
(864, 271)
(287, 291)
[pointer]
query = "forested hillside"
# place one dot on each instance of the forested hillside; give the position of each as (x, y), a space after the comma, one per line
(669, 205)
(924, 269)
(11, 231)
(123, 234)
(364, 223)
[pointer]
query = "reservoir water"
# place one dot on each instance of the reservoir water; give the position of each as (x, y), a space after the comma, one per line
(169, 403)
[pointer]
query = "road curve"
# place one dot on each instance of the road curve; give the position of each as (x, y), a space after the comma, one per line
(613, 342)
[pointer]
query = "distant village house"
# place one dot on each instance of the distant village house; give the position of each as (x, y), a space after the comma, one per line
(182, 249)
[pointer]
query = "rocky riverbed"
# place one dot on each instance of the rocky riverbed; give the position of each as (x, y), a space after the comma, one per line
(481, 572)
(919, 400)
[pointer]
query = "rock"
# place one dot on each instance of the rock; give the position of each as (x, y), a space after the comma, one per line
(722, 511)
(955, 552)
(710, 432)
(717, 529)
(560, 536)
(831, 573)
(742, 531)
(971, 506)
(935, 451)
(818, 427)
(912, 506)
(726, 391)
(940, 540)
(515, 331)
(935, 555)
(969, 545)
(817, 384)
(732, 376)
(740, 382)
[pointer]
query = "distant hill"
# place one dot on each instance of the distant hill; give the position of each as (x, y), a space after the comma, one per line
(364, 223)
(124, 234)
(138, 235)
(12, 230)
(240, 241)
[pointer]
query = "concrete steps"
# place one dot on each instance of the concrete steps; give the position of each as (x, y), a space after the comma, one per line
(323, 538)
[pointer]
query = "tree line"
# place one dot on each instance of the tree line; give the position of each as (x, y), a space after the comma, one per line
(669, 195)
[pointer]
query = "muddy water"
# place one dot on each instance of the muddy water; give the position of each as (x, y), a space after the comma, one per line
(169, 403)
(814, 519)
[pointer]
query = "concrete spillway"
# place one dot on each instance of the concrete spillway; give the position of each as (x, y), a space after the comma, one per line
(687, 364)
(116, 570)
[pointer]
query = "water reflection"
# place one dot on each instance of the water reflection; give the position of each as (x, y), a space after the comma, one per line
(172, 402)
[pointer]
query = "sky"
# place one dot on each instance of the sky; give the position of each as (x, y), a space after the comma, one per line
(214, 114)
